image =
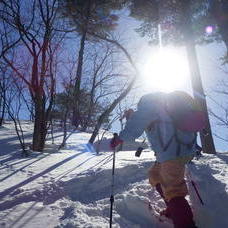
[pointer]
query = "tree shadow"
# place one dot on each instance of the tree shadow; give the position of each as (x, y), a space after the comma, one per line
(22, 215)
(86, 189)
(20, 169)
(19, 219)
(17, 155)
(31, 156)
(12, 155)
(97, 186)
(223, 156)
(12, 150)
(19, 185)
(61, 134)
(31, 217)
(14, 138)
(59, 177)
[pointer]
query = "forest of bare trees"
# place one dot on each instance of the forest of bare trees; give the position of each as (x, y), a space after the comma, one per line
(64, 61)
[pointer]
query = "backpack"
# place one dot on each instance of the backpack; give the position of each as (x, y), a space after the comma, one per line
(185, 112)
(186, 115)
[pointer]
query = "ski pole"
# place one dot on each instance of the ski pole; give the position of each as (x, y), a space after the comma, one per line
(195, 188)
(112, 187)
(197, 192)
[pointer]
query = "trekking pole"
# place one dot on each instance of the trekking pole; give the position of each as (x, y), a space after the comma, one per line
(112, 187)
(195, 188)
(197, 192)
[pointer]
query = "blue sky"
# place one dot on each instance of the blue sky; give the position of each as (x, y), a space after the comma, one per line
(209, 62)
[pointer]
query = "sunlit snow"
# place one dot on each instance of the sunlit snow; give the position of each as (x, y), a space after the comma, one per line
(71, 187)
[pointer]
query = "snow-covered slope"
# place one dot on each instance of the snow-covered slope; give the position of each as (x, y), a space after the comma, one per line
(72, 187)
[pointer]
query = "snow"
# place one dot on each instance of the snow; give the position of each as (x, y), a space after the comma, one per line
(72, 187)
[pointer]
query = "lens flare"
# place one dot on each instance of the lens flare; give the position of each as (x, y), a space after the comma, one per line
(166, 70)
(209, 29)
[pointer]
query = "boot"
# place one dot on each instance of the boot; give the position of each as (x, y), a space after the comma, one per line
(181, 213)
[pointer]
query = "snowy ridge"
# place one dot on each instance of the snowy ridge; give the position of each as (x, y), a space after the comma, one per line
(71, 188)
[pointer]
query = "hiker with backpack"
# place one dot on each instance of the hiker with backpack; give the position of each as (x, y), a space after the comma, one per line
(170, 122)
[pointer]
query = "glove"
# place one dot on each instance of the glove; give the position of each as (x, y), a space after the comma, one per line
(115, 142)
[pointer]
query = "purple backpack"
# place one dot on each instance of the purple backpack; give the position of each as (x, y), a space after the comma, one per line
(186, 114)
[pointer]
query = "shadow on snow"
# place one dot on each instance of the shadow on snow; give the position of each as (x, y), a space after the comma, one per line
(97, 186)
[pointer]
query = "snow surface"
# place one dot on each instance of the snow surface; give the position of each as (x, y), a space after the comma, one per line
(71, 187)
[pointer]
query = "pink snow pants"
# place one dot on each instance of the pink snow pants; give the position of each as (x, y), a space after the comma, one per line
(170, 174)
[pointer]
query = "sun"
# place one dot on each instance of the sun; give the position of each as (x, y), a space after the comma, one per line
(166, 71)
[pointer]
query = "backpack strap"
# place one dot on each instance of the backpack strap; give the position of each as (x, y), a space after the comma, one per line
(164, 147)
(179, 142)
(152, 126)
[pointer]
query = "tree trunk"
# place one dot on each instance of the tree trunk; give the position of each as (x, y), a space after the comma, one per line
(219, 12)
(3, 101)
(206, 135)
(91, 104)
(40, 125)
(18, 128)
(77, 86)
(224, 33)
(2, 111)
(76, 111)
(64, 130)
(97, 127)
(122, 95)
(87, 121)
(198, 91)
(106, 113)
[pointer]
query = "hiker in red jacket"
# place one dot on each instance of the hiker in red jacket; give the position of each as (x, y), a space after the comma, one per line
(173, 149)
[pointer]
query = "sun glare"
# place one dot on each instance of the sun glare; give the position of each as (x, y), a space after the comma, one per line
(165, 71)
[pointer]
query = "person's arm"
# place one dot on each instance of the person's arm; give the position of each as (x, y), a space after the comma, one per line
(146, 113)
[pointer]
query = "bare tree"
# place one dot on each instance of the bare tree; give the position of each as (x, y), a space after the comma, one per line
(127, 88)
(87, 16)
(3, 88)
(33, 23)
(13, 98)
(104, 80)
(101, 84)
